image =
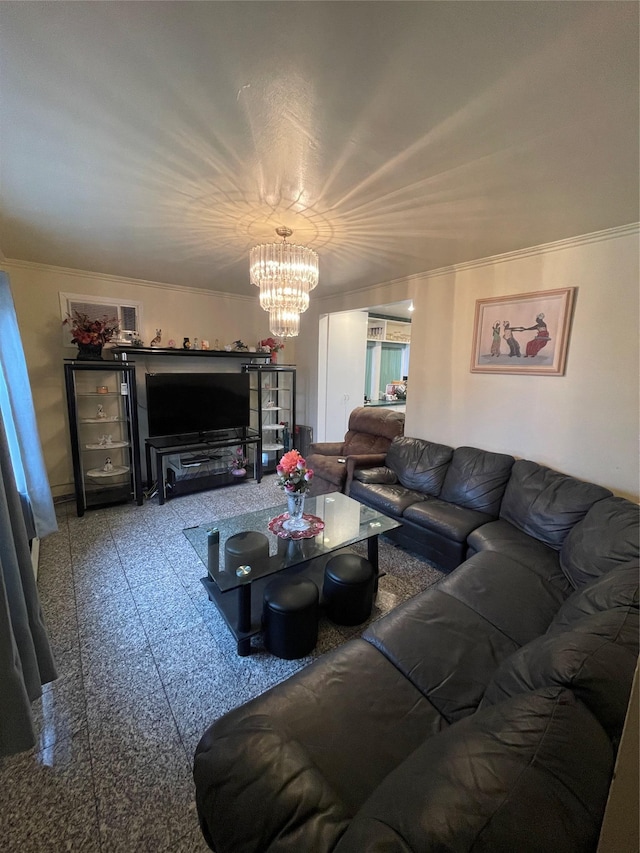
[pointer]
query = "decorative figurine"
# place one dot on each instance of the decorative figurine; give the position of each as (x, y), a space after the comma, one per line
(156, 341)
(171, 344)
(216, 345)
(205, 345)
(108, 465)
(106, 440)
(186, 344)
(196, 343)
(100, 413)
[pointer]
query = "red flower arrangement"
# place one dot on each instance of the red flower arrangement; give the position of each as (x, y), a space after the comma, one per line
(86, 331)
(293, 474)
(271, 344)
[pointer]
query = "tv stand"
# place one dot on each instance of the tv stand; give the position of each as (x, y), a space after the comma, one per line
(201, 451)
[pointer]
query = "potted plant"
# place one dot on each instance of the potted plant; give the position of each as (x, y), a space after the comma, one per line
(238, 463)
(91, 335)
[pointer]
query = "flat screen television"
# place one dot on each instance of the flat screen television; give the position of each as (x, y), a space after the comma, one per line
(196, 403)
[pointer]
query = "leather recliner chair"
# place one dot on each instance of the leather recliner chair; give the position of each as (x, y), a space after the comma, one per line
(370, 433)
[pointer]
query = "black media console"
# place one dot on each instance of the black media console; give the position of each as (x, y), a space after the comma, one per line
(192, 463)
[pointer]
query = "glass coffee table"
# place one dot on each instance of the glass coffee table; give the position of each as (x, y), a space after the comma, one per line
(238, 592)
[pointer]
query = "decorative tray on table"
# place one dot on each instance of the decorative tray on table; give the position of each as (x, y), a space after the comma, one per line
(276, 525)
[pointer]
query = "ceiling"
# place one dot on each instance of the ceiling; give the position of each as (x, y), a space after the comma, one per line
(160, 141)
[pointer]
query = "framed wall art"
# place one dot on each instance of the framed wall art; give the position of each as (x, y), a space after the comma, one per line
(525, 333)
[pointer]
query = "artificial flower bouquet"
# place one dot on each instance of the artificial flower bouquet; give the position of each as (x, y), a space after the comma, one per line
(238, 461)
(271, 344)
(293, 474)
(87, 331)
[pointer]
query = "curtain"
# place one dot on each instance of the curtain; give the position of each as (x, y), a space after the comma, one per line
(16, 405)
(26, 661)
(26, 510)
(390, 364)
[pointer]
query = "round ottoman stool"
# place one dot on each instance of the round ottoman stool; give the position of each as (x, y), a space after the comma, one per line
(290, 617)
(245, 548)
(348, 589)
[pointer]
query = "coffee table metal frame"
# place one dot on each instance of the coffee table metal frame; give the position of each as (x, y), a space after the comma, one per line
(238, 596)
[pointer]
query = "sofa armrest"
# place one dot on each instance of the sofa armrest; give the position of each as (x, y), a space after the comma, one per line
(326, 448)
(380, 474)
(360, 461)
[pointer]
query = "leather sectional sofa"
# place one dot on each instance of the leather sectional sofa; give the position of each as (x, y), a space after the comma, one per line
(484, 713)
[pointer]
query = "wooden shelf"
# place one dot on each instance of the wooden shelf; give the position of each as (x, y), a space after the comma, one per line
(129, 353)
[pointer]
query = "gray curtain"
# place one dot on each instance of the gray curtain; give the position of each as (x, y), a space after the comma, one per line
(26, 661)
(16, 404)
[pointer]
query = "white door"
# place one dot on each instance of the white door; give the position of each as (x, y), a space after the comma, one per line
(341, 371)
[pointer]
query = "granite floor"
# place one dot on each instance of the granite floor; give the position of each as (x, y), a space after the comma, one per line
(145, 665)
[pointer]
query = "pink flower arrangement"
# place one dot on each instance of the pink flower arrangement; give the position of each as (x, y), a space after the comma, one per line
(293, 474)
(271, 344)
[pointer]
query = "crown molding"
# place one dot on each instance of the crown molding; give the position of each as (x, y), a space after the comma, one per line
(517, 254)
(119, 279)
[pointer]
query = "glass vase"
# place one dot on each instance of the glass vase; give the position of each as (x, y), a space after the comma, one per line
(295, 507)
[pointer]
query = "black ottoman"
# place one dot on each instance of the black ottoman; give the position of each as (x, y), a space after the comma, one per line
(244, 548)
(290, 617)
(348, 589)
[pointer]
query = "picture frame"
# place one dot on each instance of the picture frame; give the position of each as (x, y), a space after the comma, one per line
(523, 333)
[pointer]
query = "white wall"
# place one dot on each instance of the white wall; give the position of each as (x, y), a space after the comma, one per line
(584, 423)
(179, 312)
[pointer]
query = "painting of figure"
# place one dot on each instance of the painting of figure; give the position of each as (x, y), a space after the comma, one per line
(546, 314)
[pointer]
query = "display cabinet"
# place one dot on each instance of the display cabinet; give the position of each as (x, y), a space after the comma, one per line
(103, 425)
(273, 409)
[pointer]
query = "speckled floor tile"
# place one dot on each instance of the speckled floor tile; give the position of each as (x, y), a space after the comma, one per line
(125, 672)
(130, 720)
(165, 591)
(145, 801)
(168, 619)
(46, 782)
(185, 652)
(61, 711)
(74, 831)
(203, 696)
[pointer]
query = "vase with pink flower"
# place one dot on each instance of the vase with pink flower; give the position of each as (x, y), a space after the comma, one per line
(272, 346)
(294, 478)
(237, 466)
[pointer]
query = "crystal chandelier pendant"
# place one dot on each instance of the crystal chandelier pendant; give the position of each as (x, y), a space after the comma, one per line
(285, 274)
(284, 322)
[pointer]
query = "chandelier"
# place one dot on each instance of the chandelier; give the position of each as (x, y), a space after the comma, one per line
(285, 273)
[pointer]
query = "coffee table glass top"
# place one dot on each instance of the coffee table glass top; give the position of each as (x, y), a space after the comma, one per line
(345, 522)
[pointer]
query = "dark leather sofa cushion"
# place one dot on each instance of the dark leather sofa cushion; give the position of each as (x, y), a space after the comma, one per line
(528, 775)
(502, 537)
(298, 761)
(449, 639)
(596, 660)
(380, 474)
(390, 499)
(476, 479)
(546, 504)
(449, 520)
(618, 588)
(607, 536)
(420, 465)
